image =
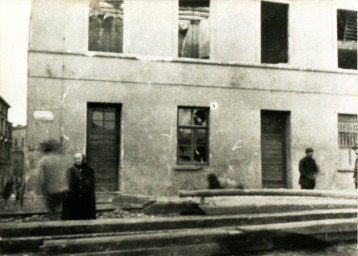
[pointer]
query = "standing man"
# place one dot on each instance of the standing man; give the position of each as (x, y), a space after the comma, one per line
(308, 170)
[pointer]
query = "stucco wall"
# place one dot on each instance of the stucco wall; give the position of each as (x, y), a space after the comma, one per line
(149, 114)
(151, 28)
(63, 77)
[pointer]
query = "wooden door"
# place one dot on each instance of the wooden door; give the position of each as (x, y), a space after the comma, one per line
(273, 149)
(103, 140)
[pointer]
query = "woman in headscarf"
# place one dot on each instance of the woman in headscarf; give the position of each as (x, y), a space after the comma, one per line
(80, 202)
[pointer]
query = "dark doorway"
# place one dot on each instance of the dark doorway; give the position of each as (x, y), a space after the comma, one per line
(103, 140)
(347, 39)
(274, 33)
(274, 148)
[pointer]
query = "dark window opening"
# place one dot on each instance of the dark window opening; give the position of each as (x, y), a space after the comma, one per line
(193, 135)
(106, 26)
(193, 29)
(274, 33)
(347, 39)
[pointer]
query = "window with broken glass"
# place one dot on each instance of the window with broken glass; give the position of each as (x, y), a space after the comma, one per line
(194, 29)
(193, 135)
(106, 26)
(347, 128)
(347, 39)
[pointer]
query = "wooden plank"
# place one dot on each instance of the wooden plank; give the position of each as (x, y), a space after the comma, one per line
(352, 195)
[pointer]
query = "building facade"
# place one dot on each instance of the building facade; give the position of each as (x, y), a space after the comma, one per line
(18, 151)
(159, 94)
(5, 143)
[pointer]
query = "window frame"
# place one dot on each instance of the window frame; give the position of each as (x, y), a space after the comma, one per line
(354, 131)
(194, 127)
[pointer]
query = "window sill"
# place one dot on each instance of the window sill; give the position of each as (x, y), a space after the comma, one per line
(345, 170)
(185, 168)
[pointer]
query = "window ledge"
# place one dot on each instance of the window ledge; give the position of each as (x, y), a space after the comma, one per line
(345, 170)
(184, 168)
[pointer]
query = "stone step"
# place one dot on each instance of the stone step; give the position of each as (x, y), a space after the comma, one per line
(231, 239)
(269, 192)
(244, 204)
(28, 237)
(100, 206)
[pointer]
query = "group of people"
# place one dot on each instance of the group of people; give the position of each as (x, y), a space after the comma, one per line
(68, 190)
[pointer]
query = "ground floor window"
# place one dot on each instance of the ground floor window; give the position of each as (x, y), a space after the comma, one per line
(193, 134)
(347, 139)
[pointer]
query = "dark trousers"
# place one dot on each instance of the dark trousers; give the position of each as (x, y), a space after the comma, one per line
(308, 184)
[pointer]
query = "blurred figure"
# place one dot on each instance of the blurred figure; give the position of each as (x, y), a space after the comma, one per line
(80, 201)
(221, 183)
(213, 181)
(308, 170)
(52, 176)
(8, 189)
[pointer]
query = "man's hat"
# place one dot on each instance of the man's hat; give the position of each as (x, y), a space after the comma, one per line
(309, 150)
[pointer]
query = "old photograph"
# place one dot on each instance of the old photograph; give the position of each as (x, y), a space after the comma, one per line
(178, 127)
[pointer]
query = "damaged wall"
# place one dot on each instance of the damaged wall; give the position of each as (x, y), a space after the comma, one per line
(150, 91)
(149, 114)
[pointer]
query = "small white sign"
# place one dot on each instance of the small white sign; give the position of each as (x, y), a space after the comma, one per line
(43, 115)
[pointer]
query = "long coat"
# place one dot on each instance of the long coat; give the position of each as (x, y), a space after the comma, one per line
(80, 201)
(308, 170)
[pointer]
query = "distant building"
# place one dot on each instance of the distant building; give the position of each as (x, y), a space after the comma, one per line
(18, 150)
(5, 143)
(160, 93)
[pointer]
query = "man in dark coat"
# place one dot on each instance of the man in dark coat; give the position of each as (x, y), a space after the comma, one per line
(80, 202)
(308, 170)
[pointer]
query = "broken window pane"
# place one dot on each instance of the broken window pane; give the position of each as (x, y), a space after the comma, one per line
(274, 33)
(200, 136)
(193, 29)
(106, 26)
(184, 154)
(199, 117)
(184, 116)
(200, 154)
(192, 134)
(347, 39)
(184, 136)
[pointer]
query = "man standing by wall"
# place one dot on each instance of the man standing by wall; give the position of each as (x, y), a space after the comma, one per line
(308, 170)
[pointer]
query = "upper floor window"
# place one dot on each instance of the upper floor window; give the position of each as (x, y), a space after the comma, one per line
(347, 39)
(274, 33)
(194, 29)
(193, 135)
(106, 26)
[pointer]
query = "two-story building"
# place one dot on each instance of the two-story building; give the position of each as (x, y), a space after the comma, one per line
(161, 93)
(5, 143)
